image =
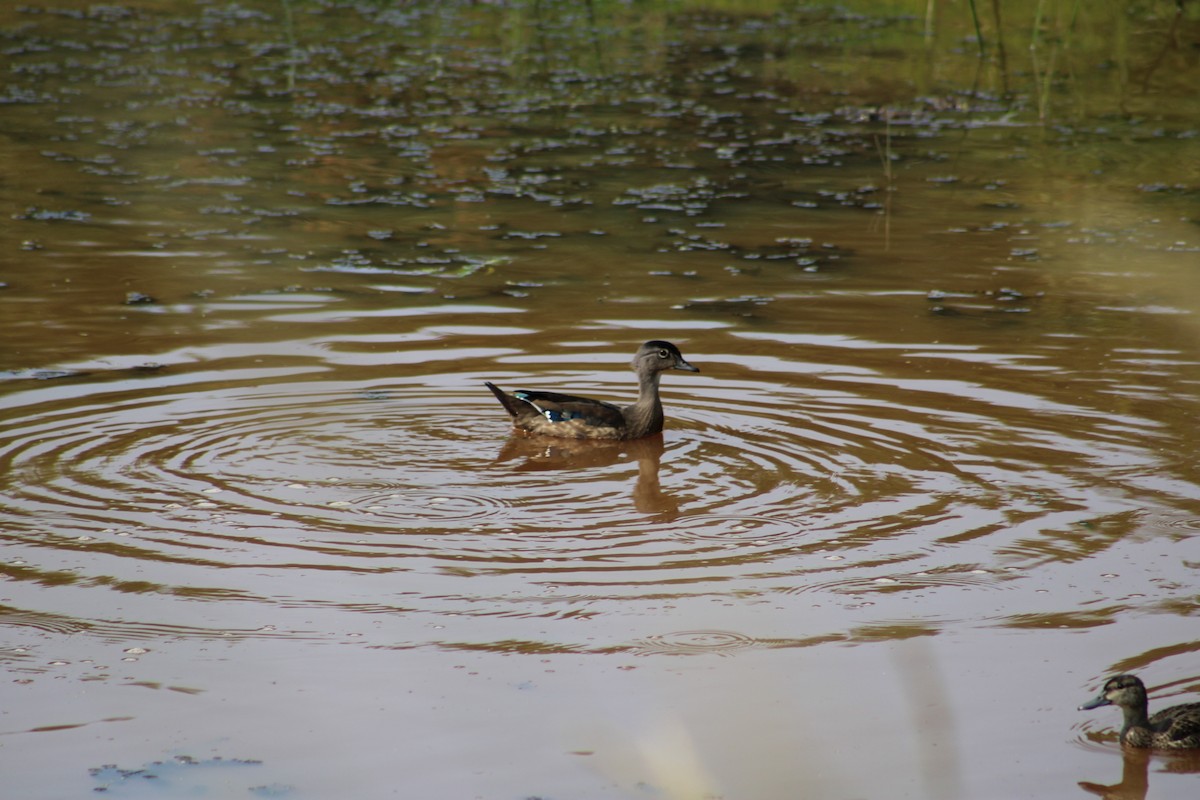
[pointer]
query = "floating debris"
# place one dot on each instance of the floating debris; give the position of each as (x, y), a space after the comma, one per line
(38, 214)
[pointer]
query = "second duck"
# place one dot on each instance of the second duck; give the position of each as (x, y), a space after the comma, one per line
(1174, 728)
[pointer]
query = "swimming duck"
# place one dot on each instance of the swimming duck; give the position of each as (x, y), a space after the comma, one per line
(554, 414)
(1174, 728)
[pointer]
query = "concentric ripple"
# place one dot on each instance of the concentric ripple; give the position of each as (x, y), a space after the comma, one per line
(729, 528)
(367, 497)
(690, 643)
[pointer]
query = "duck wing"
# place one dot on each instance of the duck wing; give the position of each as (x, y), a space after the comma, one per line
(557, 407)
(1179, 724)
(558, 414)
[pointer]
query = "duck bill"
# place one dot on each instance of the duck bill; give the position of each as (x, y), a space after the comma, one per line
(1096, 703)
(681, 364)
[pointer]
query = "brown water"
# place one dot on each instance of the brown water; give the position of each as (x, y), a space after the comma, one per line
(266, 533)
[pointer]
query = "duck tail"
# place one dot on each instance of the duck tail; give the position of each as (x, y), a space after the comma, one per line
(509, 402)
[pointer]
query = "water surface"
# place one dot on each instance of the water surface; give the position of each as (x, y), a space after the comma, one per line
(265, 531)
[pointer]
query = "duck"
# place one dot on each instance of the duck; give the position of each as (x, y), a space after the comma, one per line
(1174, 728)
(568, 416)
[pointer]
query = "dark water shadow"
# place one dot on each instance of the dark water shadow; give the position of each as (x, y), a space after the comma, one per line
(543, 453)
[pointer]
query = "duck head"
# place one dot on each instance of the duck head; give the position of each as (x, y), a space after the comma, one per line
(1120, 690)
(658, 356)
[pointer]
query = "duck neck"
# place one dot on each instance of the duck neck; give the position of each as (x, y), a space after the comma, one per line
(646, 415)
(1136, 717)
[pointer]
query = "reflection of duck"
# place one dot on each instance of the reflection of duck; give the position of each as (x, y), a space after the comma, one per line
(1174, 728)
(563, 415)
(1134, 783)
(546, 454)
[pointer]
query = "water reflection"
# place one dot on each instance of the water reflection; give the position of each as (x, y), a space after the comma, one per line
(1134, 783)
(1135, 773)
(543, 453)
(939, 756)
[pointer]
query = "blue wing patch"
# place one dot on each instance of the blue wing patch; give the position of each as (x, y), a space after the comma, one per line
(561, 416)
(551, 414)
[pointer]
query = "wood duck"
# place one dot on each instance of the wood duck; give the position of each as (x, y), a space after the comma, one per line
(1174, 728)
(554, 414)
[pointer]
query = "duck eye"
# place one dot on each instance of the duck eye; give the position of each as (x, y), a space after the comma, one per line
(663, 354)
